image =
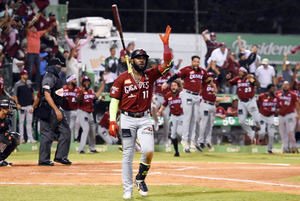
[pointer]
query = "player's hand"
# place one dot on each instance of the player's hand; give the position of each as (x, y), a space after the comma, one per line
(228, 76)
(164, 86)
(159, 113)
(113, 129)
(59, 115)
(18, 106)
(31, 110)
(165, 38)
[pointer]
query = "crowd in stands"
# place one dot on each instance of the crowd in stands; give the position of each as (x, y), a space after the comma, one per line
(29, 39)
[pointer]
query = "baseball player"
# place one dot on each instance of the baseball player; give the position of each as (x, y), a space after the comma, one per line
(287, 103)
(173, 99)
(132, 94)
(245, 90)
(86, 99)
(192, 76)
(267, 103)
(207, 111)
(70, 104)
(158, 100)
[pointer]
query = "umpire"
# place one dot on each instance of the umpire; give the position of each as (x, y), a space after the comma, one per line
(53, 118)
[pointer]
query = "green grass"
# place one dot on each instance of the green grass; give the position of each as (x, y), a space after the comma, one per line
(156, 193)
(292, 179)
(162, 156)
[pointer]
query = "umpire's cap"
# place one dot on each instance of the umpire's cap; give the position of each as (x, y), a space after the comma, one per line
(54, 62)
(140, 52)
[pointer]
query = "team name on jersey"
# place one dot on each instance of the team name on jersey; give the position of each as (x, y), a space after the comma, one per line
(176, 101)
(88, 96)
(161, 80)
(70, 93)
(243, 84)
(287, 98)
(196, 76)
(132, 87)
(267, 104)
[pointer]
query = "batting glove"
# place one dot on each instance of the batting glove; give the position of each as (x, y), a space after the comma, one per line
(113, 129)
(165, 38)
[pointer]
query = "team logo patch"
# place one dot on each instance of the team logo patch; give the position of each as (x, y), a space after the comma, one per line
(60, 92)
(114, 89)
(148, 131)
(128, 81)
(46, 87)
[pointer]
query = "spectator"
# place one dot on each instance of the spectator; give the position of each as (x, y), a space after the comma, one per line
(265, 75)
(286, 71)
(111, 62)
(220, 111)
(175, 67)
(232, 69)
(217, 61)
(77, 44)
(33, 48)
(73, 66)
(24, 98)
(248, 59)
(17, 67)
(122, 64)
(211, 44)
(233, 110)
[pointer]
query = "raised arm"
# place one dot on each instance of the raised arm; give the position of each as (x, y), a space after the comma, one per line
(284, 61)
(87, 39)
(240, 44)
(70, 43)
(204, 35)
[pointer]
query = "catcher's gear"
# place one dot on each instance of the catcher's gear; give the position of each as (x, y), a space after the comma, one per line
(113, 128)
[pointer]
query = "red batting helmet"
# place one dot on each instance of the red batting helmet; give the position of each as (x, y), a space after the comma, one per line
(85, 78)
(23, 72)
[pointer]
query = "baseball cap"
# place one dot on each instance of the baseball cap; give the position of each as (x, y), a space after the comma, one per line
(287, 63)
(265, 61)
(70, 78)
(55, 61)
(51, 14)
(222, 44)
(212, 34)
(23, 72)
(243, 69)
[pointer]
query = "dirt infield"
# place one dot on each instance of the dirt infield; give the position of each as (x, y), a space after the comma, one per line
(237, 176)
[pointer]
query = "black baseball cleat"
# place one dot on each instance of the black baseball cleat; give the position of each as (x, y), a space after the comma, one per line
(177, 154)
(94, 151)
(81, 152)
(270, 152)
(5, 163)
(198, 148)
(142, 187)
(208, 145)
(202, 145)
(46, 163)
(64, 161)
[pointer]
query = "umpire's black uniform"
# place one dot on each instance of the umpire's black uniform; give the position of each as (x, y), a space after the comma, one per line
(49, 123)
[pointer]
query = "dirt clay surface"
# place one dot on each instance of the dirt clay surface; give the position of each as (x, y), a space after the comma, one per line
(237, 176)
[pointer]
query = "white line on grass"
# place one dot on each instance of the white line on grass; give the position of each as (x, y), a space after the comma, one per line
(236, 180)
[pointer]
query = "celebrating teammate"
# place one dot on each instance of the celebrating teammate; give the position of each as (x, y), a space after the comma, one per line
(173, 99)
(86, 99)
(193, 77)
(207, 111)
(245, 90)
(132, 94)
(267, 103)
(287, 103)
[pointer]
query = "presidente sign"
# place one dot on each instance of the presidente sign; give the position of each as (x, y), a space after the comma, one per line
(271, 46)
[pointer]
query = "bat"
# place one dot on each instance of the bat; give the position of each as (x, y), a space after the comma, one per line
(119, 27)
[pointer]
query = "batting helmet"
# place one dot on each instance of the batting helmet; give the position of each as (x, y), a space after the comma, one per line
(139, 52)
(85, 78)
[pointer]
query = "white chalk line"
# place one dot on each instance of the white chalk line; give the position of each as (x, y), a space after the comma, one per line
(236, 180)
(74, 184)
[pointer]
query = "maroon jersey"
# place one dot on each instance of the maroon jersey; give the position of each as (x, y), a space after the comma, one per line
(87, 101)
(192, 79)
(174, 101)
(232, 110)
(70, 95)
(287, 102)
(245, 90)
(1, 85)
(104, 122)
(220, 111)
(208, 92)
(135, 97)
(159, 82)
(267, 104)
